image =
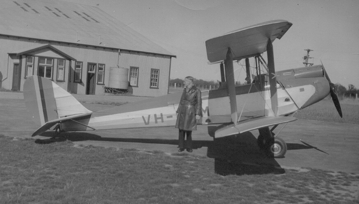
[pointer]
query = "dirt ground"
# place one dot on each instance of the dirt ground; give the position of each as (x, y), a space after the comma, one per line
(311, 144)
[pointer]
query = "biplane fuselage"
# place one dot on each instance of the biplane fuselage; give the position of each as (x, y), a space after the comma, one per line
(303, 87)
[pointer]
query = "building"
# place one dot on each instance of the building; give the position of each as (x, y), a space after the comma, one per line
(77, 46)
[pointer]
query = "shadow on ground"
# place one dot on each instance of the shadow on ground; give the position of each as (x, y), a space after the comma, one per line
(233, 155)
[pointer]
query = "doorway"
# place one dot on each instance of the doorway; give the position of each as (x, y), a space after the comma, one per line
(91, 79)
(16, 77)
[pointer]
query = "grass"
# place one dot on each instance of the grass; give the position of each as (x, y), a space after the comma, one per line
(108, 103)
(325, 111)
(60, 173)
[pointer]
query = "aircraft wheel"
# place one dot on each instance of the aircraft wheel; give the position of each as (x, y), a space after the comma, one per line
(278, 148)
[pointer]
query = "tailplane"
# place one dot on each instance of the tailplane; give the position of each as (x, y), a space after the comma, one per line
(49, 104)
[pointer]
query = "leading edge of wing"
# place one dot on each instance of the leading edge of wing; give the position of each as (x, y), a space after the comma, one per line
(246, 42)
(252, 124)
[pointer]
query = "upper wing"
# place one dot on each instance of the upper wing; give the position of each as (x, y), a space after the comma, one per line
(246, 42)
(252, 124)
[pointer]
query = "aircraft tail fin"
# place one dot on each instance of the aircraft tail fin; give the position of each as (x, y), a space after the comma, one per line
(47, 101)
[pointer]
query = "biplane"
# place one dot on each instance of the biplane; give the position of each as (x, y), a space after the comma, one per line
(267, 100)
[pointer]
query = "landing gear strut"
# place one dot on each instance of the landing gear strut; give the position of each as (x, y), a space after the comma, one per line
(58, 130)
(273, 146)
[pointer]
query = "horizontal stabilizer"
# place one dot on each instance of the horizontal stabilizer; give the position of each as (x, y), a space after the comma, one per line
(49, 124)
(246, 42)
(252, 124)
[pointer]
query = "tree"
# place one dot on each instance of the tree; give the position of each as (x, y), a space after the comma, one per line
(177, 81)
(340, 90)
(351, 87)
(352, 91)
(199, 83)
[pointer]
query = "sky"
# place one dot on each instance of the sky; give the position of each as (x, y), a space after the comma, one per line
(329, 27)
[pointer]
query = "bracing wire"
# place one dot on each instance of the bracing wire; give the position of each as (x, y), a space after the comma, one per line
(250, 88)
(262, 61)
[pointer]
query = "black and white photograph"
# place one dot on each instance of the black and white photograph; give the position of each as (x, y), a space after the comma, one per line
(179, 101)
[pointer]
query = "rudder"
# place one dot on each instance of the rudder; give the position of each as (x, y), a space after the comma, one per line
(46, 101)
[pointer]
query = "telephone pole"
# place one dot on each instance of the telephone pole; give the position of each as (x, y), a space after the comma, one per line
(306, 58)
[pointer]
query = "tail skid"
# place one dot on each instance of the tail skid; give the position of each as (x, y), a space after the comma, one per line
(49, 104)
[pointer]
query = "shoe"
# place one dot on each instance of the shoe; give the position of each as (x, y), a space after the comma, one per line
(180, 149)
(189, 150)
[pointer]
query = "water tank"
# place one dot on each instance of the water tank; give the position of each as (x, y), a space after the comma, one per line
(118, 78)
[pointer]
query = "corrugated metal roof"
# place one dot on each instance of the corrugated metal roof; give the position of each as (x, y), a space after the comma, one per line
(71, 23)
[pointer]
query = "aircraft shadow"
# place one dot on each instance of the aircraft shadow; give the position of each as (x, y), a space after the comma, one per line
(84, 136)
(296, 146)
(240, 155)
(234, 155)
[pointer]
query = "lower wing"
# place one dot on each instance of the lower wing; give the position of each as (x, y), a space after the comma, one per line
(252, 124)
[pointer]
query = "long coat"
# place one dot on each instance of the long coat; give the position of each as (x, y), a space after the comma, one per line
(190, 105)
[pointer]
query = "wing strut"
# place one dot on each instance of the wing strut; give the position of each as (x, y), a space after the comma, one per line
(223, 79)
(248, 71)
(228, 63)
(272, 77)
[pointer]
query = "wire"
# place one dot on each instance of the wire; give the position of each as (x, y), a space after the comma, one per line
(240, 115)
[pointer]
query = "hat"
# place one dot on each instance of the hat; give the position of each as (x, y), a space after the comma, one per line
(190, 78)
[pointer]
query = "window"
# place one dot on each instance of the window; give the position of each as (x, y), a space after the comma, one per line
(29, 69)
(45, 67)
(101, 74)
(134, 76)
(91, 68)
(61, 69)
(155, 76)
(78, 72)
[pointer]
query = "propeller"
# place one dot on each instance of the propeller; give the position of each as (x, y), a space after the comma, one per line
(333, 94)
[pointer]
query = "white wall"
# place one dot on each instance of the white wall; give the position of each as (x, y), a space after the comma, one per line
(90, 55)
(109, 57)
(86, 54)
(145, 62)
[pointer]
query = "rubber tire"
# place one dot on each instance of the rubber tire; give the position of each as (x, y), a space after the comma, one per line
(278, 148)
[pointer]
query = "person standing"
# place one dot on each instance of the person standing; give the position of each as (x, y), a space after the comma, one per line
(188, 112)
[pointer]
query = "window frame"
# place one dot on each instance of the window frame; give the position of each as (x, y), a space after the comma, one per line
(27, 64)
(94, 68)
(45, 65)
(80, 75)
(138, 75)
(64, 67)
(103, 74)
(158, 79)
